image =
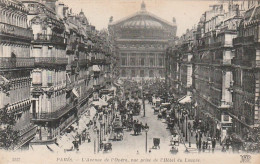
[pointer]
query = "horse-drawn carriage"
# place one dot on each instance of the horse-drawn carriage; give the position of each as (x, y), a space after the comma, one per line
(156, 110)
(174, 150)
(156, 143)
(165, 105)
(107, 147)
(175, 140)
(129, 124)
(170, 123)
(118, 133)
(164, 112)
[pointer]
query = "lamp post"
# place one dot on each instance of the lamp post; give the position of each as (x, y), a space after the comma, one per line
(186, 136)
(143, 96)
(98, 140)
(100, 137)
(146, 129)
(94, 130)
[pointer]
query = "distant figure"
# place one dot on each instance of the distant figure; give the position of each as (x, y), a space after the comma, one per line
(137, 152)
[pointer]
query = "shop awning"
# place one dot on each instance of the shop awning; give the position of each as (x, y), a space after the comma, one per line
(96, 68)
(39, 148)
(186, 99)
(54, 148)
(75, 92)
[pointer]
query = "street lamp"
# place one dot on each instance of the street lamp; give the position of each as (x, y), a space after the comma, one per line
(100, 137)
(94, 130)
(98, 140)
(143, 96)
(146, 129)
(186, 137)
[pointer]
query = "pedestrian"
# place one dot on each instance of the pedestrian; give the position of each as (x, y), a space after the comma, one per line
(203, 146)
(213, 144)
(199, 144)
(196, 136)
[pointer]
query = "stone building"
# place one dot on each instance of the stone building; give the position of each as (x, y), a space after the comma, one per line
(48, 90)
(212, 67)
(16, 65)
(245, 86)
(141, 40)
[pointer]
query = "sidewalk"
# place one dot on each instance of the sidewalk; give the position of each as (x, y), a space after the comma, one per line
(192, 147)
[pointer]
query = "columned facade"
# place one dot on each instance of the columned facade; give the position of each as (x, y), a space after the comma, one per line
(141, 42)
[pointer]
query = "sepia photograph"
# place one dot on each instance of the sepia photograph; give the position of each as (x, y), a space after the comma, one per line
(129, 81)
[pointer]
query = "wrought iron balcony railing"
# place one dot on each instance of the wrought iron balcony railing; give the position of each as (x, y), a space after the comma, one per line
(53, 115)
(20, 32)
(8, 62)
(50, 60)
(55, 39)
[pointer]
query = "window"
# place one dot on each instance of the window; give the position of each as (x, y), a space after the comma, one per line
(142, 62)
(123, 61)
(37, 77)
(151, 74)
(160, 62)
(132, 61)
(49, 77)
(161, 74)
(151, 61)
(133, 73)
(142, 73)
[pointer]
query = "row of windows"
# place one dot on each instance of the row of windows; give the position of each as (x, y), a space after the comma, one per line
(134, 73)
(142, 62)
(13, 18)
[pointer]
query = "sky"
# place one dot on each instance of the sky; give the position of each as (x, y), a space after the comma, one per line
(186, 12)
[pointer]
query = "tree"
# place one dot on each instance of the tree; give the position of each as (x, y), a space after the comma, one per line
(8, 136)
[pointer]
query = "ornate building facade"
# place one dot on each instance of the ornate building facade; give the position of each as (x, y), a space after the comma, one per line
(141, 40)
(246, 75)
(48, 89)
(16, 65)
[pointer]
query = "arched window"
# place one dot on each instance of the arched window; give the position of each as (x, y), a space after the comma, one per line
(151, 73)
(7, 18)
(132, 73)
(160, 73)
(141, 73)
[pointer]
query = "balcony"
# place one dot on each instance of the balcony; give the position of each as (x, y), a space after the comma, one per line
(53, 115)
(244, 40)
(53, 39)
(8, 62)
(43, 61)
(25, 135)
(19, 32)
(84, 62)
(244, 63)
(223, 62)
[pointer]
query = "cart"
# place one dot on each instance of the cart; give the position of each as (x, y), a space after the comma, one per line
(107, 147)
(174, 150)
(156, 110)
(156, 143)
(118, 133)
